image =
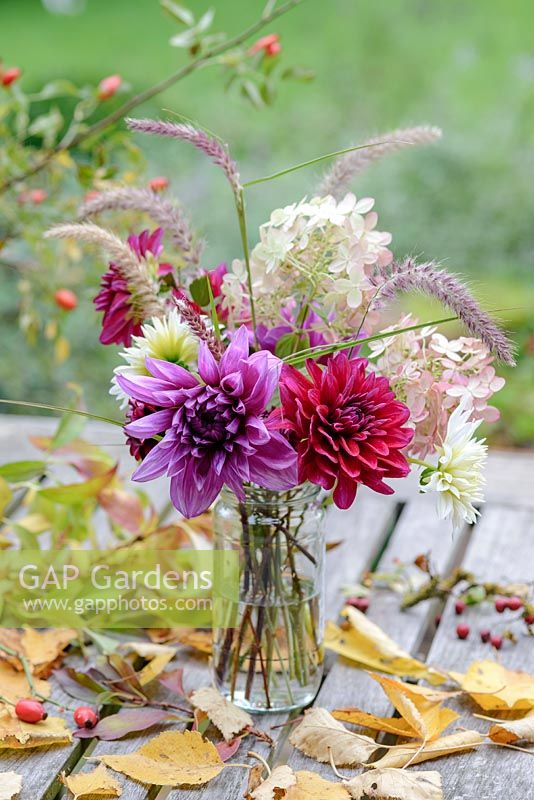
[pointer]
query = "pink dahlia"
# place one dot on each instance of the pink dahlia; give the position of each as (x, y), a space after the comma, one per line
(347, 426)
(216, 433)
(122, 319)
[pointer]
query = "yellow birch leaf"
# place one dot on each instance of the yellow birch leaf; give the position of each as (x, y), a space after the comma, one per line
(17, 735)
(158, 656)
(310, 786)
(197, 639)
(395, 784)
(98, 783)
(10, 785)
(366, 644)
(170, 759)
(509, 731)
(276, 785)
(227, 718)
(14, 685)
(322, 737)
(356, 716)
(44, 648)
(399, 756)
(495, 688)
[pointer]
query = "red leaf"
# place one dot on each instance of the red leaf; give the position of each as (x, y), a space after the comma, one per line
(173, 680)
(228, 749)
(126, 721)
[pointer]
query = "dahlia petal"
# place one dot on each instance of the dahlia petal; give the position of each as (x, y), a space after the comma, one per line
(153, 466)
(187, 499)
(237, 351)
(177, 376)
(150, 425)
(345, 492)
(143, 387)
(207, 366)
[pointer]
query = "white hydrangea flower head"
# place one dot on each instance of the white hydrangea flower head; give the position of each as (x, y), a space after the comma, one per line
(458, 477)
(166, 338)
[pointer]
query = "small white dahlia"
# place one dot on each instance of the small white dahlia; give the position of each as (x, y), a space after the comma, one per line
(458, 478)
(166, 338)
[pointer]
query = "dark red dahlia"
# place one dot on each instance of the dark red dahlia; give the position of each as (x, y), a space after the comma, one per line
(140, 448)
(120, 322)
(346, 425)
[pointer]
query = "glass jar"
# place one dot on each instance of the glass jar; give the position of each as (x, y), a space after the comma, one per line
(270, 655)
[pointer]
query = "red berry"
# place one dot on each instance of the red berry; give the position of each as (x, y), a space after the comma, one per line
(10, 75)
(459, 607)
(485, 635)
(496, 642)
(501, 604)
(65, 299)
(529, 619)
(109, 86)
(514, 603)
(31, 711)
(270, 45)
(463, 631)
(158, 184)
(85, 717)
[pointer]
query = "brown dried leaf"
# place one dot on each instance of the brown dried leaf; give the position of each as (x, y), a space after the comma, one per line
(396, 784)
(44, 649)
(170, 759)
(284, 784)
(10, 785)
(495, 688)
(98, 783)
(276, 785)
(227, 718)
(321, 737)
(14, 685)
(399, 756)
(366, 644)
(17, 735)
(509, 731)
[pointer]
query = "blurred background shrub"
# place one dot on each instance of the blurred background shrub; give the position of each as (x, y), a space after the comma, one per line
(467, 200)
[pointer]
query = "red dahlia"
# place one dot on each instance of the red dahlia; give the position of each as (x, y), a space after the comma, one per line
(346, 425)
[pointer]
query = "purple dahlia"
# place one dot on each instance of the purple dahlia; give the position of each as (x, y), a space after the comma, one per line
(216, 433)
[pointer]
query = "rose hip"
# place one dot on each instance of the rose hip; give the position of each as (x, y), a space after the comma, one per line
(32, 711)
(463, 631)
(85, 717)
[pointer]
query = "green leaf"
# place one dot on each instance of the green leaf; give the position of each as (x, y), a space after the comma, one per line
(18, 471)
(47, 126)
(58, 88)
(200, 290)
(298, 74)
(6, 495)
(205, 20)
(74, 493)
(290, 343)
(178, 12)
(106, 644)
(252, 93)
(69, 429)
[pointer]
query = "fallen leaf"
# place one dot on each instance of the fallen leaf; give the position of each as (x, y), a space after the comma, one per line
(395, 784)
(14, 685)
(276, 785)
(311, 786)
(319, 735)
(98, 783)
(509, 731)
(395, 725)
(495, 688)
(174, 680)
(17, 735)
(227, 718)
(170, 759)
(198, 639)
(10, 785)
(44, 649)
(158, 656)
(371, 648)
(227, 750)
(126, 721)
(415, 754)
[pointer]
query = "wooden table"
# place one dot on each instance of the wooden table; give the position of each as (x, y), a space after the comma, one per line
(375, 532)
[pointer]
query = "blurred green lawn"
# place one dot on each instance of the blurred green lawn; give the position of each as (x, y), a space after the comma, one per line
(468, 67)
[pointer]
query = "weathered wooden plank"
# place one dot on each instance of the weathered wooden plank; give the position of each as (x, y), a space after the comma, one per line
(501, 549)
(345, 685)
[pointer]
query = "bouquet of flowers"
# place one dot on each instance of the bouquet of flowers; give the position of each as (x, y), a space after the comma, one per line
(280, 378)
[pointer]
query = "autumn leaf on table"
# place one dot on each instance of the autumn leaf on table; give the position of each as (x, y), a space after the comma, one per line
(289, 785)
(510, 731)
(322, 737)
(395, 784)
(128, 720)
(17, 735)
(195, 638)
(366, 644)
(174, 681)
(10, 785)
(170, 759)
(227, 718)
(400, 756)
(495, 688)
(45, 649)
(14, 685)
(422, 714)
(158, 656)
(98, 783)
